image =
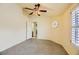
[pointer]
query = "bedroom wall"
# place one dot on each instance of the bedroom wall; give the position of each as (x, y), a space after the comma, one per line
(66, 34)
(62, 34)
(67, 29)
(43, 26)
(12, 25)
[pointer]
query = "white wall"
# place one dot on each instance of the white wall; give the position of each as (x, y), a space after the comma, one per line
(12, 25)
(43, 26)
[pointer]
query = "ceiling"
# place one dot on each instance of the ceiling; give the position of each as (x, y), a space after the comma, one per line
(53, 9)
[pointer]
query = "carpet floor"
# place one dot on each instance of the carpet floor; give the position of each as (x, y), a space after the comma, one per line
(36, 47)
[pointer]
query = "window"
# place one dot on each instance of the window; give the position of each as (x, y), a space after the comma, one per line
(75, 26)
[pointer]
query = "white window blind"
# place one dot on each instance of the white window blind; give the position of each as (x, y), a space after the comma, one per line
(75, 26)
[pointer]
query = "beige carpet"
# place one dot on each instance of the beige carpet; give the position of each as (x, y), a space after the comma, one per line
(36, 47)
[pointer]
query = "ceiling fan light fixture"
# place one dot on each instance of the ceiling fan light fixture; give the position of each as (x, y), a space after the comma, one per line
(36, 10)
(38, 13)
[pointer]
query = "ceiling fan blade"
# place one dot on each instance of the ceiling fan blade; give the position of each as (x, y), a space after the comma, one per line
(43, 10)
(31, 13)
(28, 8)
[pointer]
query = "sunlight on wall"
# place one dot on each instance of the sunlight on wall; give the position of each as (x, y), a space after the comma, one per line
(64, 32)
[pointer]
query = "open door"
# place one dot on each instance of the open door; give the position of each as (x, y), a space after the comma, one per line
(34, 29)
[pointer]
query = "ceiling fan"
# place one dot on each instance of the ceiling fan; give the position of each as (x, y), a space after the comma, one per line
(36, 10)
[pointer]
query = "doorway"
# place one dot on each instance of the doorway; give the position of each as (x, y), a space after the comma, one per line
(34, 29)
